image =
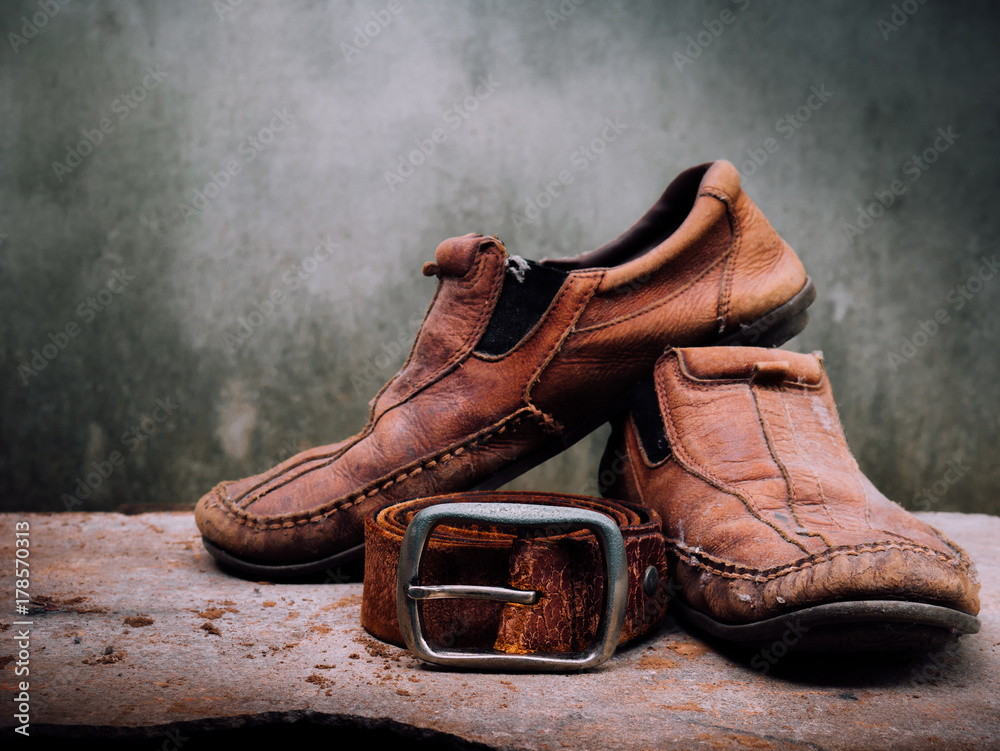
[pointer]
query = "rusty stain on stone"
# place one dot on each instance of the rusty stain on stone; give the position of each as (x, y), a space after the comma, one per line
(672, 690)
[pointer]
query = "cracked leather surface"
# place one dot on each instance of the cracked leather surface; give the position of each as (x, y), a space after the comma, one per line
(764, 508)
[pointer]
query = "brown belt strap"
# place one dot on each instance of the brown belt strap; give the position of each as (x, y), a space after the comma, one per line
(565, 568)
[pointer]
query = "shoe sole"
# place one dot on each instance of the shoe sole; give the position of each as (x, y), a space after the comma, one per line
(860, 626)
(777, 327)
(770, 330)
(265, 572)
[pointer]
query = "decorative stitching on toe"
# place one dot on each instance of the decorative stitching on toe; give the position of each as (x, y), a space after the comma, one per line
(248, 519)
(729, 570)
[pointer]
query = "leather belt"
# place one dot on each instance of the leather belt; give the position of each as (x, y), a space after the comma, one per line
(513, 580)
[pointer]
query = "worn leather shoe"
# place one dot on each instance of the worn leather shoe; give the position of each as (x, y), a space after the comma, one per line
(514, 361)
(773, 532)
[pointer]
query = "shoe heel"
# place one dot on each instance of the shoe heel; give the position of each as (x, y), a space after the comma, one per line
(778, 326)
(777, 334)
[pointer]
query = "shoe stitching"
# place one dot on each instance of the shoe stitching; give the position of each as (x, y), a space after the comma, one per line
(789, 482)
(409, 358)
(729, 270)
(325, 458)
(548, 423)
(480, 261)
(539, 324)
(800, 451)
(497, 244)
(567, 330)
(709, 190)
(653, 306)
(330, 458)
(842, 444)
(696, 469)
(955, 548)
(247, 518)
(848, 457)
(563, 291)
(710, 383)
(466, 348)
(730, 570)
(964, 563)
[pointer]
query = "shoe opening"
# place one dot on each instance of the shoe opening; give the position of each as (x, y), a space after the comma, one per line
(659, 223)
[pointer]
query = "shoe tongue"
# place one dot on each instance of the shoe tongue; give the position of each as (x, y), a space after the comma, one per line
(457, 255)
(742, 363)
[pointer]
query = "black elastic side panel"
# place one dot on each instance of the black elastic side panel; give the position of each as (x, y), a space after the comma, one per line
(528, 290)
(645, 409)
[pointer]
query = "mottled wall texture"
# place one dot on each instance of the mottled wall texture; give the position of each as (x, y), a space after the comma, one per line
(213, 214)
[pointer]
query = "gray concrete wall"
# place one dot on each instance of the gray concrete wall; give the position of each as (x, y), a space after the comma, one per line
(242, 151)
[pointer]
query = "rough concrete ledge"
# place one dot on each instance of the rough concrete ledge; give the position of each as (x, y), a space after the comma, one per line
(137, 638)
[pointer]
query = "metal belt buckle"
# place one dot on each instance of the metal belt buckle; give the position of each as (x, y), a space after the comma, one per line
(409, 592)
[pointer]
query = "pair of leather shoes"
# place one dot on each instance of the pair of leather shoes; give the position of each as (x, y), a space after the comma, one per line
(737, 448)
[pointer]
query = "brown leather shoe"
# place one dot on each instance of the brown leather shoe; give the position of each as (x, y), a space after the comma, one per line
(773, 532)
(516, 360)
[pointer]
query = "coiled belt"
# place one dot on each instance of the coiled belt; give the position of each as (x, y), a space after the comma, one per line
(513, 580)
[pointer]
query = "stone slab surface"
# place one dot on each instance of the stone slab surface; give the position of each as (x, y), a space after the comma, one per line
(137, 636)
